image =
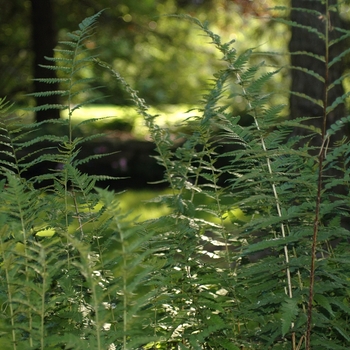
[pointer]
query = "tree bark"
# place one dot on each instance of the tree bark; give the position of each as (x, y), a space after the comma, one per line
(44, 40)
(303, 40)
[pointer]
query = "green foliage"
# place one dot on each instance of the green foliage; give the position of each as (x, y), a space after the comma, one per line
(275, 276)
(132, 37)
(73, 268)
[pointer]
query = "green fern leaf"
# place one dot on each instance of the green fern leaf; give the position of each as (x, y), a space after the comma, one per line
(48, 93)
(340, 38)
(337, 81)
(242, 60)
(289, 311)
(61, 68)
(310, 54)
(324, 302)
(337, 102)
(317, 102)
(309, 72)
(298, 25)
(338, 125)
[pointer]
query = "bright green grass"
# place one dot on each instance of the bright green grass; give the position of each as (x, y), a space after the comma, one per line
(142, 208)
(111, 117)
(137, 204)
(168, 116)
(132, 203)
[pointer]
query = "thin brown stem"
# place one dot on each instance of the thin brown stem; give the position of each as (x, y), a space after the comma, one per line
(321, 158)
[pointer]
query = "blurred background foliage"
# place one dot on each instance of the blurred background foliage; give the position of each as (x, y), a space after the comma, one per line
(164, 58)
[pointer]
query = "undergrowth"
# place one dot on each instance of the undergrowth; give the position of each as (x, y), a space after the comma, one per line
(76, 273)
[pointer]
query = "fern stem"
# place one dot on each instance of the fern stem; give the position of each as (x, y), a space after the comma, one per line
(125, 287)
(289, 291)
(42, 315)
(313, 252)
(279, 212)
(97, 318)
(8, 284)
(274, 190)
(321, 158)
(25, 244)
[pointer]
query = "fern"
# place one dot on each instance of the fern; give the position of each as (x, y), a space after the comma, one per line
(253, 253)
(275, 183)
(72, 264)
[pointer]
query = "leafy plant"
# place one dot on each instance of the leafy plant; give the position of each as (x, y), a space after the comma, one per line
(71, 264)
(277, 279)
(253, 252)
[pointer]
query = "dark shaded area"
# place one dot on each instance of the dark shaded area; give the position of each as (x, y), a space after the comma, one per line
(43, 37)
(185, 3)
(303, 40)
(132, 161)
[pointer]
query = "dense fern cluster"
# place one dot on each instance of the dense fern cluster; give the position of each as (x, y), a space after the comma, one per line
(252, 255)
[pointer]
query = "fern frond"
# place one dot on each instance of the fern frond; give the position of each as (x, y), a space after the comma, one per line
(337, 102)
(306, 97)
(46, 107)
(65, 69)
(48, 93)
(340, 38)
(52, 80)
(309, 72)
(298, 25)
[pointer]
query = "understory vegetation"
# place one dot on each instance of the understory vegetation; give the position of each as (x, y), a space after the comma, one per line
(251, 253)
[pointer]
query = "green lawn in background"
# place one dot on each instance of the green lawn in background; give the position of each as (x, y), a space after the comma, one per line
(137, 203)
(140, 206)
(131, 202)
(126, 117)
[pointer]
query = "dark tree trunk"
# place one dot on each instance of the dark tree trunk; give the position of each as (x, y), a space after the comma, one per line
(43, 43)
(304, 83)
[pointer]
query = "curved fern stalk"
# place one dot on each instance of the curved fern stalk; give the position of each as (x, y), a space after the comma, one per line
(161, 139)
(230, 57)
(250, 94)
(234, 68)
(72, 60)
(269, 167)
(253, 107)
(321, 158)
(159, 136)
(331, 174)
